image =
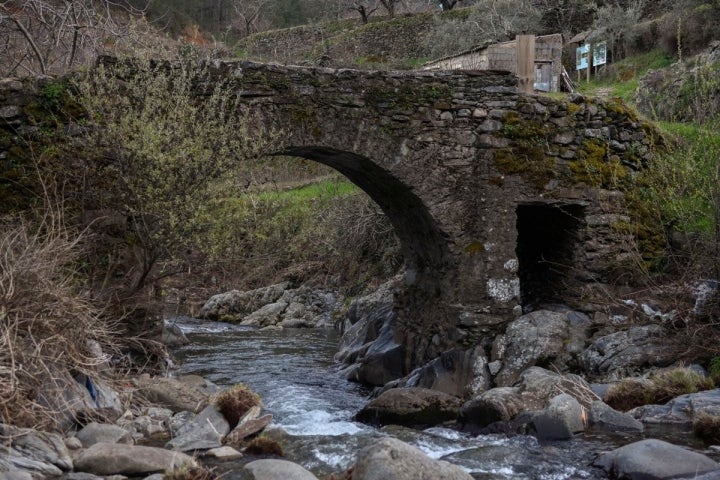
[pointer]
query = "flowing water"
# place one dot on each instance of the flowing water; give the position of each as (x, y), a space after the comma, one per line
(313, 406)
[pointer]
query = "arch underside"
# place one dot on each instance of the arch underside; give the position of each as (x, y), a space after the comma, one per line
(423, 244)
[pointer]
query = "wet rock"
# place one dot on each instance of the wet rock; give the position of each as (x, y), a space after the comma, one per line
(623, 354)
(247, 428)
(560, 420)
(78, 398)
(391, 459)
(269, 314)
(173, 336)
(93, 433)
(533, 391)
(270, 469)
(172, 393)
(605, 418)
(540, 337)
(114, 458)
(223, 453)
(680, 410)
(461, 373)
(414, 407)
(368, 344)
(203, 432)
(236, 304)
(40, 453)
(654, 460)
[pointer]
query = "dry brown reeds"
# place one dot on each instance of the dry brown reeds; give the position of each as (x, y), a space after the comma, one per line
(264, 446)
(48, 329)
(234, 402)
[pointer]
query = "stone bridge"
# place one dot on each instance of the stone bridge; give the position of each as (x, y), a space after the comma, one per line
(500, 200)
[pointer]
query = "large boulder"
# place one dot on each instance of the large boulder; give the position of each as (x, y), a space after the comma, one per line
(533, 391)
(78, 397)
(462, 373)
(626, 353)
(203, 432)
(541, 337)
(563, 417)
(368, 344)
(413, 407)
(271, 469)
(680, 410)
(274, 305)
(40, 453)
(174, 393)
(93, 433)
(391, 459)
(654, 460)
(603, 417)
(120, 459)
(235, 305)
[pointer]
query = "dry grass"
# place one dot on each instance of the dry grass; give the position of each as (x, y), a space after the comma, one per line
(707, 428)
(660, 388)
(234, 402)
(48, 329)
(264, 446)
(190, 472)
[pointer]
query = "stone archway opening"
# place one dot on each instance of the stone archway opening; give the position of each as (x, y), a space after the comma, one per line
(423, 244)
(547, 241)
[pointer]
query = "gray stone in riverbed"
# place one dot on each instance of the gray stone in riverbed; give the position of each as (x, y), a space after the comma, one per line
(680, 410)
(115, 458)
(604, 417)
(93, 433)
(414, 407)
(203, 432)
(560, 420)
(40, 453)
(391, 459)
(270, 469)
(654, 460)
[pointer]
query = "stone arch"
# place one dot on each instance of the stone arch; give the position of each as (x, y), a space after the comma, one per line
(423, 244)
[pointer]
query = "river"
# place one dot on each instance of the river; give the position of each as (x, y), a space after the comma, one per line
(313, 406)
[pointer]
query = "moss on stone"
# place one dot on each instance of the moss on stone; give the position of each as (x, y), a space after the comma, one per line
(474, 248)
(595, 168)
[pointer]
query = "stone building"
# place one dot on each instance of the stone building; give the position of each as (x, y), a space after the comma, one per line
(502, 56)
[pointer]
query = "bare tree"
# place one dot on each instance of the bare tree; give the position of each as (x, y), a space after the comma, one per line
(50, 36)
(364, 8)
(390, 6)
(248, 12)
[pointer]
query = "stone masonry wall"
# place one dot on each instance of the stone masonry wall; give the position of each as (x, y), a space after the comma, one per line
(451, 157)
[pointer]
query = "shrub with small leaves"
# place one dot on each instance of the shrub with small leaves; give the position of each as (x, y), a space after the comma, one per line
(234, 402)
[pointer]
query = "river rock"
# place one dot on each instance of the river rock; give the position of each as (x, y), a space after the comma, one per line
(680, 410)
(247, 428)
(391, 459)
(624, 354)
(71, 397)
(115, 458)
(603, 417)
(270, 469)
(539, 336)
(9, 472)
(173, 336)
(203, 432)
(235, 305)
(40, 453)
(462, 373)
(413, 407)
(267, 315)
(533, 391)
(368, 344)
(654, 460)
(175, 394)
(560, 420)
(93, 433)
(223, 453)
